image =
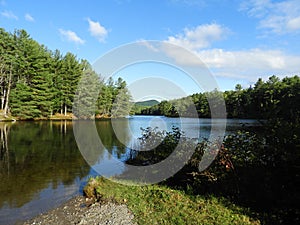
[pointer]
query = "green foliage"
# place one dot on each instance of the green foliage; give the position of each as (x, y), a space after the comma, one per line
(274, 98)
(105, 100)
(138, 107)
(87, 95)
(22, 103)
(114, 99)
(147, 103)
(37, 83)
(157, 145)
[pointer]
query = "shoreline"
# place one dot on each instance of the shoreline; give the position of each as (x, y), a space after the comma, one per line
(56, 117)
(81, 210)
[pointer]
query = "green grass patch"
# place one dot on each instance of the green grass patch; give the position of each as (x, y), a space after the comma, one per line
(157, 204)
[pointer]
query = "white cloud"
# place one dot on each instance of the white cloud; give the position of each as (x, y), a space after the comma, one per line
(294, 24)
(238, 60)
(181, 57)
(9, 15)
(277, 17)
(29, 18)
(256, 8)
(200, 37)
(97, 30)
(253, 58)
(250, 64)
(247, 64)
(71, 36)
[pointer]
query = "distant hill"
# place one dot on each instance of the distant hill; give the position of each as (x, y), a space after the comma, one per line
(147, 103)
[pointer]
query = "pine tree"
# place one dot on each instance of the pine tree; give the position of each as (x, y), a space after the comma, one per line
(42, 82)
(32, 94)
(85, 101)
(70, 76)
(122, 103)
(105, 100)
(56, 70)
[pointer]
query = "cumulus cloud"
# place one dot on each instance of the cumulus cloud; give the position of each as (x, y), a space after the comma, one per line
(277, 17)
(200, 37)
(220, 58)
(247, 64)
(97, 30)
(9, 15)
(250, 63)
(71, 36)
(29, 18)
(253, 58)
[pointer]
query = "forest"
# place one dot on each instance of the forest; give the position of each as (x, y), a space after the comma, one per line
(36, 82)
(274, 98)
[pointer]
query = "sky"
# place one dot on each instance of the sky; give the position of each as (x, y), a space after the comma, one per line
(238, 41)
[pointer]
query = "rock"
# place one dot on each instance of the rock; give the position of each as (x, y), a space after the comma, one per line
(75, 212)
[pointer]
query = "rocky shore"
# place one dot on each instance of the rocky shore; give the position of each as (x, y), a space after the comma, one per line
(80, 210)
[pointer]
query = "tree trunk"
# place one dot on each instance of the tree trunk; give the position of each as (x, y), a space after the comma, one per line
(3, 99)
(8, 91)
(66, 110)
(2, 82)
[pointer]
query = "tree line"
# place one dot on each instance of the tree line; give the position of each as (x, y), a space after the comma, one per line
(36, 82)
(273, 98)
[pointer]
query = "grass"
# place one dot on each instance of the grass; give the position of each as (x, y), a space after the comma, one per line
(156, 204)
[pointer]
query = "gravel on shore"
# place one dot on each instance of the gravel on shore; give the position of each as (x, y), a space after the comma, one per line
(77, 211)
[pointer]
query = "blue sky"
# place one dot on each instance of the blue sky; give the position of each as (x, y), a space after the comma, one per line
(239, 41)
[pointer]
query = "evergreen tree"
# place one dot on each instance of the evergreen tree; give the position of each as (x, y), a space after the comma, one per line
(22, 102)
(71, 72)
(121, 99)
(42, 82)
(34, 78)
(105, 100)
(56, 70)
(85, 102)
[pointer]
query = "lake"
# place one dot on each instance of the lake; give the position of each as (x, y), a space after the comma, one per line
(42, 167)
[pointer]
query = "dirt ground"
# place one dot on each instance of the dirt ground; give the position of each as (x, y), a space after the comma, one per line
(80, 210)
